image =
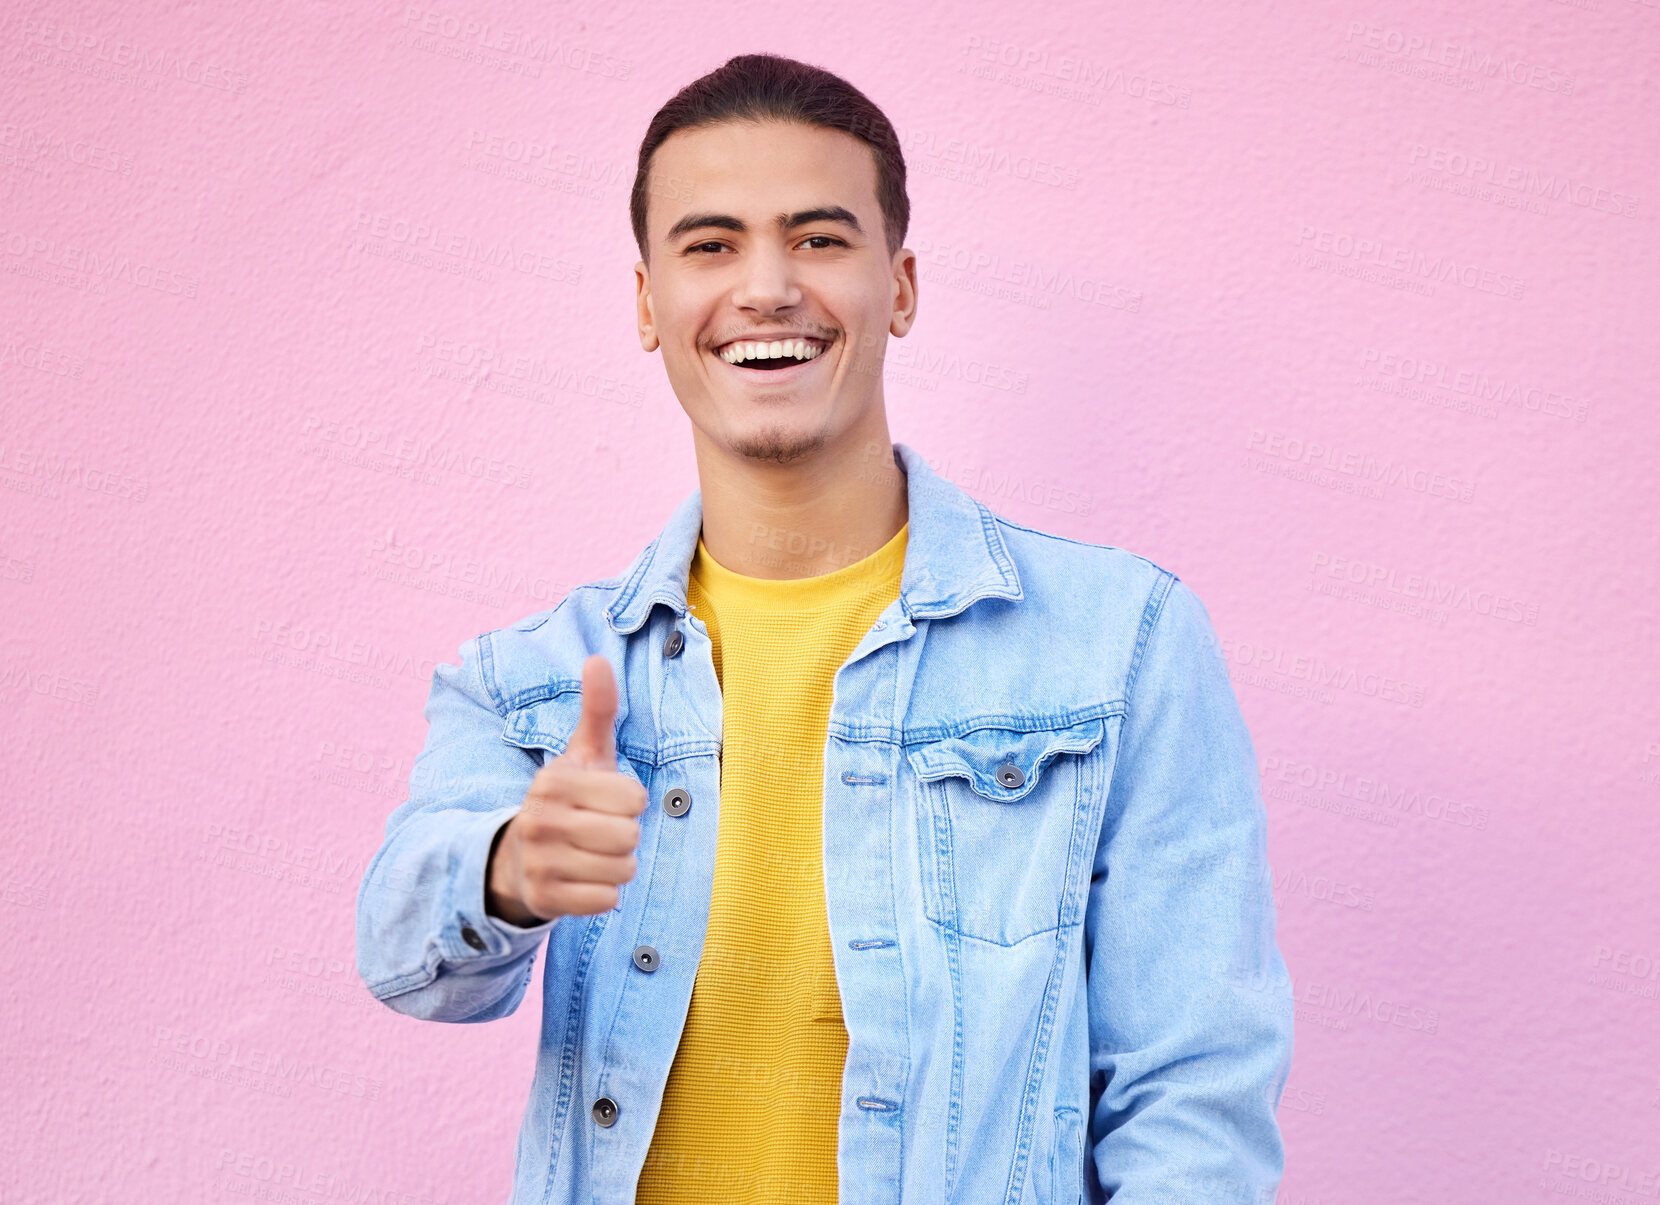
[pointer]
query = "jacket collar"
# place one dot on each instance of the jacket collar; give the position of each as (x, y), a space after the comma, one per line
(954, 553)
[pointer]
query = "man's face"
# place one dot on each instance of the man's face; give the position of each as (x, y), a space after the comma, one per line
(779, 237)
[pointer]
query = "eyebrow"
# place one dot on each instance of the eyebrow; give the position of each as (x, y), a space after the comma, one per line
(786, 221)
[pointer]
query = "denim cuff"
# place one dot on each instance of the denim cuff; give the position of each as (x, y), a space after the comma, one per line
(499, 937)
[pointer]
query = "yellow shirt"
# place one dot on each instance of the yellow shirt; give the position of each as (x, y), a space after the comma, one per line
(751, 1106)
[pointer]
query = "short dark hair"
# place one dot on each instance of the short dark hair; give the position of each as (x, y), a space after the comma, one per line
(763, 87)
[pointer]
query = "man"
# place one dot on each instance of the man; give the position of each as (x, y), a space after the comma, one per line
(885, 849)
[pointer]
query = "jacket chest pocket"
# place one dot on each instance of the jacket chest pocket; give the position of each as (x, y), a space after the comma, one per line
(544, 727)
(1003, 811)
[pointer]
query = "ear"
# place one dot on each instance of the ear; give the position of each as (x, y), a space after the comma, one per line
(904, 292)
(642, 306)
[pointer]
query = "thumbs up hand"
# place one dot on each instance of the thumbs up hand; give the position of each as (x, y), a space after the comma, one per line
(571, 845)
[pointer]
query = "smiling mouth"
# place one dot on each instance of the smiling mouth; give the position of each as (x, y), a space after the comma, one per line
(771, 355)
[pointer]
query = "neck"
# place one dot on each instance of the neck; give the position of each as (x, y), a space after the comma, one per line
(814, 515)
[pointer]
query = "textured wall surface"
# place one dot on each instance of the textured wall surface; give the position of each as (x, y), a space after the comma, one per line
(317, 358)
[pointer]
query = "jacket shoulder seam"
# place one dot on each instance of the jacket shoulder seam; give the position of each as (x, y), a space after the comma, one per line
(487, 671)
(1053, 535)
(1150, 616)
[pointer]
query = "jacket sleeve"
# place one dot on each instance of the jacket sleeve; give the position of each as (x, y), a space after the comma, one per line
(426, 947)
(1189, 1000)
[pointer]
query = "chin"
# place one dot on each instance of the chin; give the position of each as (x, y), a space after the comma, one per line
(776, 443)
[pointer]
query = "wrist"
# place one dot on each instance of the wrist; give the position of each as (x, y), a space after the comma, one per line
(500, 900)
(511, 910)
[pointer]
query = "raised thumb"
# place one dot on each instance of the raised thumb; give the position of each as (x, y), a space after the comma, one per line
(592, 744)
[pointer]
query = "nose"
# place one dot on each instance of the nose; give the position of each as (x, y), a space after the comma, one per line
(766, 281)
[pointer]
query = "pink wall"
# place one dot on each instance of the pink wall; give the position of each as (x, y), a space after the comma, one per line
(1352, 336)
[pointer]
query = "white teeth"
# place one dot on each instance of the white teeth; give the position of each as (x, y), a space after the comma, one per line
(799, 349)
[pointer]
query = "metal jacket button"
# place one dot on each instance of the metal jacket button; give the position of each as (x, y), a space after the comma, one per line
(471, 937)
(605, 1112)
(674, 643)
(1010, 775)
(646, 958)
(677, 802)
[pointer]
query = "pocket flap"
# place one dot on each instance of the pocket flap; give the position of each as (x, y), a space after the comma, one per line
(544, 724)
(1004, 764)
(548, 724)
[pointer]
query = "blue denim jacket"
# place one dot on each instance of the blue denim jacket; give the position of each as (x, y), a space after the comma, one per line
(1045, 873)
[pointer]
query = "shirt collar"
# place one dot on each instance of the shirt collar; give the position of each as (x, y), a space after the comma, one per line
(954, 553)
